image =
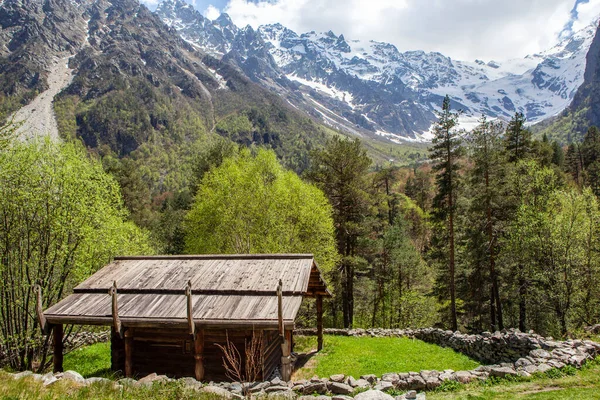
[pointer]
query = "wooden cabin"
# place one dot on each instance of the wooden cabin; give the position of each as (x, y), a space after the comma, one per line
(168, 313)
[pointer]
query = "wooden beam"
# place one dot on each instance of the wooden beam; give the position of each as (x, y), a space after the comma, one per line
(280, 307)
(319, 323)
(140, 322)
(286, 359)
(190, 309)
(128, 353)
(199, 355)
(58, 348)
(117, 326)
(37, 289)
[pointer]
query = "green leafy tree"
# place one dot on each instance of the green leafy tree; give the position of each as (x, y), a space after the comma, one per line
(62, 219)
(251, 204)
(340, 170)
(531, 187)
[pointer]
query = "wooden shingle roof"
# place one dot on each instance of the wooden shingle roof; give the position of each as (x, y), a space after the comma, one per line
(226, 290)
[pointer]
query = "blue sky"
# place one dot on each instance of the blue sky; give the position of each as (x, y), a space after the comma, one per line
(463, 29)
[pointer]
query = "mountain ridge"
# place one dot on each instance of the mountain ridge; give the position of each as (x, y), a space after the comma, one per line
(371, 88)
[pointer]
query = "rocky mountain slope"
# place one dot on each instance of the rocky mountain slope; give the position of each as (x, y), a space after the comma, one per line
(371, 88)
(129, 86)
(584, 110)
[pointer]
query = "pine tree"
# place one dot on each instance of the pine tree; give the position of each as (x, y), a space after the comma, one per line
(518, 138)
(445, 152)
(574, 162)
(340, 170)
(486, 207)
(590, 153)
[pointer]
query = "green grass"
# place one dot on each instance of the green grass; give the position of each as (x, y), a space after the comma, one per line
(554, 385)
(93, 360)
(359, 356)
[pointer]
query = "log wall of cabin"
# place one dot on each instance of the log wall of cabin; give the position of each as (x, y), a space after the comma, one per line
(171, 352)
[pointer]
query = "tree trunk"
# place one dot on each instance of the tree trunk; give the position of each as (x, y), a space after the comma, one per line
(522, 302)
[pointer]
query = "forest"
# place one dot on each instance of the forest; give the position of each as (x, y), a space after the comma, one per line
(498, 229)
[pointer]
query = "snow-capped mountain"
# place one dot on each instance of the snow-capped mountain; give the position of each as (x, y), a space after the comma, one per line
(369, 87)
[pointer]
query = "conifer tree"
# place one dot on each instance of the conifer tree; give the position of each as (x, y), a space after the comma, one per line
(340, 170)
(518, 138)
(445, 152)
(486, 206)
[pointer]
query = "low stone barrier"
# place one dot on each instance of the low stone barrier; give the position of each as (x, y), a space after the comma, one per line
(507, 346)
(511, 353)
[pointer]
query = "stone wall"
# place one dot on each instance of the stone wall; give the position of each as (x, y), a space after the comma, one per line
(489, 348)
(507, 353)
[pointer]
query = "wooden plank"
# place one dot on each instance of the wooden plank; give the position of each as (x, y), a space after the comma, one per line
(319, 323)
(199, 355)
(58, 347)
(129, 353)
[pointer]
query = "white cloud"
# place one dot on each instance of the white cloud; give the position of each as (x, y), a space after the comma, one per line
(211, 12)
(587, 13)
(462, 29)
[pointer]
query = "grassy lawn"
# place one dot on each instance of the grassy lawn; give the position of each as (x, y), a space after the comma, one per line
(583, 385)
(366, 355)
(90, 361)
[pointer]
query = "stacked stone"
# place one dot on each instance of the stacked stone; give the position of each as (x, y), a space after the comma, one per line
(511, 353)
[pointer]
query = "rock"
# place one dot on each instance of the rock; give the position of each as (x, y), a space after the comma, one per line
(285, 395)
(73, 376)
(539, 353)
(390, 377)
(147, 380)
(340, 388)
(337, 378)
(503, 372)
(543, 368)
(315, 387)
(50, 381)
(129, 381)
(23, 374)
(463, 376)
(278, 388)
(531, 369)
(411, 394)
(341, 397)
(373, 395)
(95, 379)
(384, 386)
(416, 383)
(372, 379)
(277, 382)
(578, 360)
(314, 398)
(522, 362)
(432, 383)
(218, 391)
(258, 386)
(358, 383)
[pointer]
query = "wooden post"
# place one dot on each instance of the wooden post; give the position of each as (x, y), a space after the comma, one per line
(37, 289)
(280, 308)
(286, 359)
(58, 348)
(117, 326)
(129, 353)
(190, 309)
(319, 322)
(199, 355)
